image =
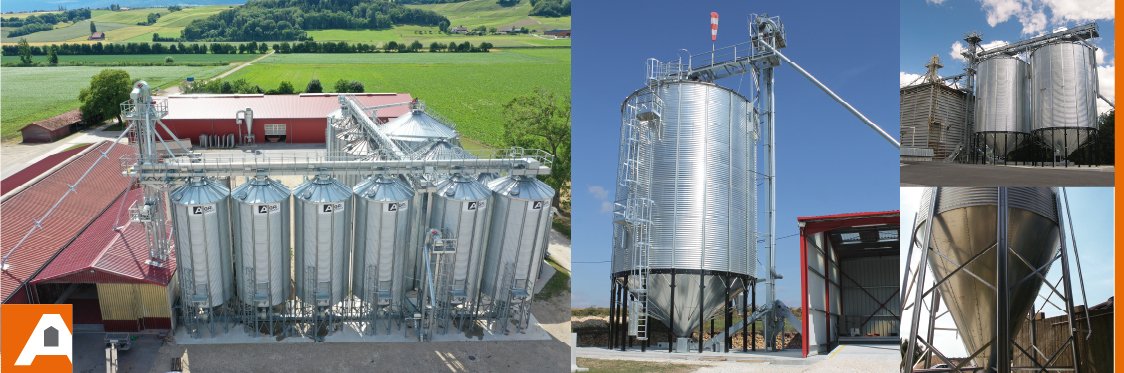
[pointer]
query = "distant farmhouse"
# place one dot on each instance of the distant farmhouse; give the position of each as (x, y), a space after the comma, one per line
(559, 33)
(97, 35)
(459, 30)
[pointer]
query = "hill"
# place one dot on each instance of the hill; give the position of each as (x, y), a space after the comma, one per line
(121, 26)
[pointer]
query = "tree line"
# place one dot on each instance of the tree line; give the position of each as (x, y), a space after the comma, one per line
(243, 48)
(42, 22)
(550, 8)
(274, 20)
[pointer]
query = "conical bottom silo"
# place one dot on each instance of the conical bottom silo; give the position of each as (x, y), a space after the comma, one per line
(1002, 115)
(702, 210)
(965, 227)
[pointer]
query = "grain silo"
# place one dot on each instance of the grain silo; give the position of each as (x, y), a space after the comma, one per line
(383, 213)
(1063, 94)
(1002, 119)
(684, 224)
(201, 226)
(323, 241)
(933, 117)
(520, 227)
(262, 242)
(460, 208)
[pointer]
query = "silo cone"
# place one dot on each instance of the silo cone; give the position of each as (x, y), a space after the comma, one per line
(964, 227)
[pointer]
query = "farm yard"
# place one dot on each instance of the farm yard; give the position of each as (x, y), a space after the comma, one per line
(35, 93)
(469, 89)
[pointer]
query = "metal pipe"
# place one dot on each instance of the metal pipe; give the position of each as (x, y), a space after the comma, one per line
(915, 321)
(357, 112)
(1001, 358)
(1110, 104)
(1068, 287)
(829, 92)
(1077, 257)
(771, 164)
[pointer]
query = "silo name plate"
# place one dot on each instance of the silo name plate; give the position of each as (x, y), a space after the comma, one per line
(273, 208)
(203, 210)
(473, 206)
(329, 208)
(537, 205)
(396, 207)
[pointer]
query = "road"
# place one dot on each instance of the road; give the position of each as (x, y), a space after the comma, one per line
(175, 90)
(955, 174)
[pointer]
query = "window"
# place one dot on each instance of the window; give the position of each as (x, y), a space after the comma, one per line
(275, 129)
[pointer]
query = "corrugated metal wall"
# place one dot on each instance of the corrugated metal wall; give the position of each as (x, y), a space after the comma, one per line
(131, 303)
(821, 336)
(1096, 352)
(868, 282)
(946, 131)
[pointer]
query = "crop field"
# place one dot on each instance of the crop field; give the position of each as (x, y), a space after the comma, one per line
(122, 26)
(139, 58)
(487, 13)
(469, 89)
(35, 93)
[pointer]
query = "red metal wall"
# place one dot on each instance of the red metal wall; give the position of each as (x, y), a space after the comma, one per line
(305, 130)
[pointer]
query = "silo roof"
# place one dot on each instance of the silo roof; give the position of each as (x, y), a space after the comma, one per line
(417, 124)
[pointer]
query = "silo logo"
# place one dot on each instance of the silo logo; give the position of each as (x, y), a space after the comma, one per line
(269, 209)
(329, 208)
(395, 207)
(473, 206)
(200, 210)
(537, 205)
(36, 338)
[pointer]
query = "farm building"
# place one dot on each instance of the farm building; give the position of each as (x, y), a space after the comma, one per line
(275, 118)
(78, 258)
(97, 35)
(559, 33)
(849, 279)
(53, 128)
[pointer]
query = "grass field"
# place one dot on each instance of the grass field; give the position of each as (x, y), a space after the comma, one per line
(140, 58)
(487, 13)
(430, 34)
(469, 89)
(34, 93)
(122, 26)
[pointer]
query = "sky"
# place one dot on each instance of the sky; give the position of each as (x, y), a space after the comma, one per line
(828, 162)
(937, 27)
(1092, 213)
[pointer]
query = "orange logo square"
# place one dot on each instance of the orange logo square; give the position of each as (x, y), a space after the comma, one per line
(36, 338)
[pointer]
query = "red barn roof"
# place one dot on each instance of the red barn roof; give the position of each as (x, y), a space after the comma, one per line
(315, 105)
(90, 198)
(38, 168)
(104, 254)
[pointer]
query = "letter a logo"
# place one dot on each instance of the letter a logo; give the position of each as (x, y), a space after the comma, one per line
(36, 338)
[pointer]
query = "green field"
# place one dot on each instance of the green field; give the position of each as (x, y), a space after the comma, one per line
(35, 93)
(140, 58)
(487, 13)
(122, 26)
(469, 89)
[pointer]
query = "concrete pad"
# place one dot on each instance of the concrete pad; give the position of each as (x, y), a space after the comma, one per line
(955, 174)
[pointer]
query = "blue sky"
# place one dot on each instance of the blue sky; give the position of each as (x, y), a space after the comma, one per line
(930, 27)
(828, 162)
(1092, 211)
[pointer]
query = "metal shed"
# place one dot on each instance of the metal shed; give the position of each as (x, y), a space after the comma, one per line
(849, 288)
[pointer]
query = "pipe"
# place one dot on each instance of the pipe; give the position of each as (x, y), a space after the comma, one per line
(302, 166)
(836, 97)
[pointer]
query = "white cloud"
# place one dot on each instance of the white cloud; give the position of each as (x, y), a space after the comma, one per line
(907, 78)
(1031, 14)
(1080, 10)
(1100, 56)
(1106, 76)
(957, 49)
(602, 195)
(937, 2)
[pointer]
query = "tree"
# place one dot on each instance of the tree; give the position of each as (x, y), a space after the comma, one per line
(540, 120)
(93, 28)
(53, 55)
(102, 99)
(341, 86)
(24, 52)
(355, 87)
(416, 46)
(314, 86)
(285, 88)
(435, 47)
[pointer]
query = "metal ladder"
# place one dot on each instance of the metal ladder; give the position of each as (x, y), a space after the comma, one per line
(642, 122)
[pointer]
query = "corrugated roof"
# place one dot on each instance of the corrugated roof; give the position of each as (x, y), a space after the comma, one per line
(417, 125)
(277, 106)
(815, 224)
(18, 213)
(38, 168)
(102, 254)
(58, 121)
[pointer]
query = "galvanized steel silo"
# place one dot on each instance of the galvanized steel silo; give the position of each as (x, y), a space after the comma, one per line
(460, 207)
(201, 226)
(965, 232)
(1063, 94)
(382, 234)
(323, 240)
(702, 197)
(1002, 119)
(262, 242)
(518, 235)
(416, 129)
